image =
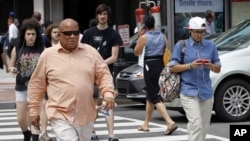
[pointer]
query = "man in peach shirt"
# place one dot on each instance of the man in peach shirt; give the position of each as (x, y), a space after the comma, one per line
(68, 72)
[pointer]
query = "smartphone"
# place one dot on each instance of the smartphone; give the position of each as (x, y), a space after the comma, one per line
(203, 61)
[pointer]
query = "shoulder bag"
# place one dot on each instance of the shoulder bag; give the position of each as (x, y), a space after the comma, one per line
(169, 82)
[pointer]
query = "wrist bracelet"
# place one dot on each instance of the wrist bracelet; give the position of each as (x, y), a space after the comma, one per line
(190, 66)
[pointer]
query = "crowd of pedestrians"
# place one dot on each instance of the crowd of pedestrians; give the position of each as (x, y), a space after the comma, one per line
(42, 56)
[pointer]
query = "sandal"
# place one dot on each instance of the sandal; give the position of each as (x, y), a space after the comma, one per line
(142, 129)
(170, 131)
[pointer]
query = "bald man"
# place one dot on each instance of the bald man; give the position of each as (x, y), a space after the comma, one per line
(68, 72)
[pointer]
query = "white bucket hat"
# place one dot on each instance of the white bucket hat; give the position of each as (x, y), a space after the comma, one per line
(196, 23)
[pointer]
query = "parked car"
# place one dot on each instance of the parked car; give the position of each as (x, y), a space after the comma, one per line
(231, 86)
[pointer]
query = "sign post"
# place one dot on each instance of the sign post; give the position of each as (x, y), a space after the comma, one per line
(124, 33)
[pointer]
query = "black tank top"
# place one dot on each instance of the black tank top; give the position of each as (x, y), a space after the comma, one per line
(27, 58)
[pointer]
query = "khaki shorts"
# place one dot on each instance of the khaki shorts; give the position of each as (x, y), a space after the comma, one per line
(66, 131)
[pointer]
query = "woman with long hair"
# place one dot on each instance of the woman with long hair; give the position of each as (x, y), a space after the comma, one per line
(24, 58)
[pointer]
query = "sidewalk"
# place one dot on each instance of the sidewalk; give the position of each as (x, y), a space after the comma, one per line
(7, 93)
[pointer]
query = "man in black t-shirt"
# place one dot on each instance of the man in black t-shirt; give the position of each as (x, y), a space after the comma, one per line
(107, 41)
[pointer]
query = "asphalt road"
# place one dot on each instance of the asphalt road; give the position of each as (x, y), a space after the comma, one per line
(135, 110)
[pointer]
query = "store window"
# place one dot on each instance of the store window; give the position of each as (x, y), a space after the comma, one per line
(240, 11)
(185, 9)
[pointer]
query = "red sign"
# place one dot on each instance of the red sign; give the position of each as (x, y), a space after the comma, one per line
(240, 0)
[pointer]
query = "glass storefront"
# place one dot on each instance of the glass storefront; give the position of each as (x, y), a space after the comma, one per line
(240, 11)
(185, 9)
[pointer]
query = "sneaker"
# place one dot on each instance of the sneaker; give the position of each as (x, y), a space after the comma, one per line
(113, 139)
(45, 137)
(94, 136)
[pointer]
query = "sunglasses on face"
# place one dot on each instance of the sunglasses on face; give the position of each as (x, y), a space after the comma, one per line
(69, 33)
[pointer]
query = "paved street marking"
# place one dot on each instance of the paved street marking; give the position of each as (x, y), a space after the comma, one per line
(125, 130)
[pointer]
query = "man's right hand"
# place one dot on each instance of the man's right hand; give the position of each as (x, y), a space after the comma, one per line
(108, 103)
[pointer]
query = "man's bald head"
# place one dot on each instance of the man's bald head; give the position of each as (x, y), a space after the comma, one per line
(68, 23)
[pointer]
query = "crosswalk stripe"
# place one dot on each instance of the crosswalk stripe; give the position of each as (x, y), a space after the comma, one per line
(7, 114)
(8, 110)
(13, 132)
(8, 123)
(8, 137)
(165, 138)
(8, 118)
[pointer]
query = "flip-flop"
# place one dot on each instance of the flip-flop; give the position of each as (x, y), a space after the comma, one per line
(144, 130)
(170, 131)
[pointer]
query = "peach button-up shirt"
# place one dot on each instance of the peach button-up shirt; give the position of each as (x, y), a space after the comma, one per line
(68, 78)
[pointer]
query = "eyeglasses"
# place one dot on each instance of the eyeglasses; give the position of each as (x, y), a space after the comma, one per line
(69, 33)
(198, 31)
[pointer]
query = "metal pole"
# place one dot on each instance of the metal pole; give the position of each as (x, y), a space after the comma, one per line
(158, 2)
(147, 7)
(146, 1)
(50, 10)
(14, 8)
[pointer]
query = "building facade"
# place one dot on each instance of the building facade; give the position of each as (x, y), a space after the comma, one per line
(173, 13)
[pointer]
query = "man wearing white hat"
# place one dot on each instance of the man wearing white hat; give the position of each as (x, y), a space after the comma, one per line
(196, 95)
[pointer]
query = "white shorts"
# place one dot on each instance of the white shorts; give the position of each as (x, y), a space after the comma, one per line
(21, 95)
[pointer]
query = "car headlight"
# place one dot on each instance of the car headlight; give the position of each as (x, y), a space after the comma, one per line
(139, 74)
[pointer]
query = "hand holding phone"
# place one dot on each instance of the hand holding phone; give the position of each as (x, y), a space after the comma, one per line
(203, 61)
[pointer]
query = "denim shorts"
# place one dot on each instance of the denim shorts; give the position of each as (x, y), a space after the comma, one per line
(21, 95)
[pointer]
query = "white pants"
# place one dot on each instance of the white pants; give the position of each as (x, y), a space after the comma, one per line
(198, 114)
(65, 131)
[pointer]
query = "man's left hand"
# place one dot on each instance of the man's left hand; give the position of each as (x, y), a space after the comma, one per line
(35, 121)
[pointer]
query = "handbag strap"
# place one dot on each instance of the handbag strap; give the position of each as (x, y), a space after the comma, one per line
(183, 47)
